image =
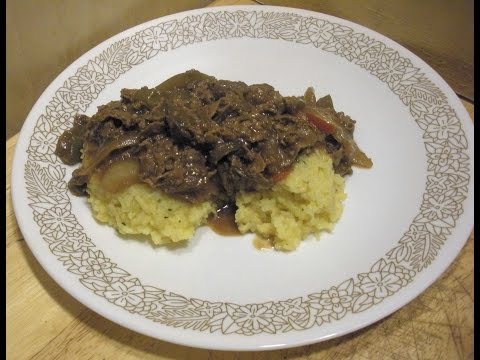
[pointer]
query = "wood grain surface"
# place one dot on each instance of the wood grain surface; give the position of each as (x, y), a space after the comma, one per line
(45, 322)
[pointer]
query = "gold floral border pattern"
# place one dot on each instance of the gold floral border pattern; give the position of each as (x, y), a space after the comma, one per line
(445, 189)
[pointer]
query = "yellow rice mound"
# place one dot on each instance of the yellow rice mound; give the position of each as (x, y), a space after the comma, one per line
(307, 201)
(141, 210)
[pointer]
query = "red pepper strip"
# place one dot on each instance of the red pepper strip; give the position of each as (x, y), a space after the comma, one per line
(281, 175)
(320, 123)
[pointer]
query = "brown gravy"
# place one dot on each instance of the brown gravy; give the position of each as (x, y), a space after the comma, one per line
(223, 221)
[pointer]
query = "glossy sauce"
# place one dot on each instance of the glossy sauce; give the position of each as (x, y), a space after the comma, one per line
(223, 221)
(120, 175)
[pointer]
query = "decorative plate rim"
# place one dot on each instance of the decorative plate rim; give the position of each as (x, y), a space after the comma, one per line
(449, 166)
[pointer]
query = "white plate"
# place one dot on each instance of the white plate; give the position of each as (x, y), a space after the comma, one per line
(404, 222)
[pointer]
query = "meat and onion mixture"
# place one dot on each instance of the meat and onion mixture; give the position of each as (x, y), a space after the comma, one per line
(198, 138)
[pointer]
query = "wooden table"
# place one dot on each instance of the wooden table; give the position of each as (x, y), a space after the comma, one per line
(45, 322)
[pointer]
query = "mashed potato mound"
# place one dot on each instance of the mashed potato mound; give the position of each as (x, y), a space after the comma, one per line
(307, 201)
(139, 209)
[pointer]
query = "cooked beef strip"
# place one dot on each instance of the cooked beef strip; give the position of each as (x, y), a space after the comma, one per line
(200, 138)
